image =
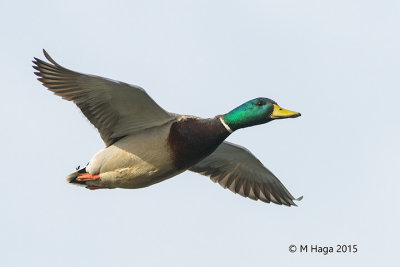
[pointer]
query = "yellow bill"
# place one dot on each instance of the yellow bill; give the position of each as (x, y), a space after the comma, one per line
(281, 113)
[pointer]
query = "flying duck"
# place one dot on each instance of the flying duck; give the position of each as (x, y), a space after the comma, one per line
(144, 144)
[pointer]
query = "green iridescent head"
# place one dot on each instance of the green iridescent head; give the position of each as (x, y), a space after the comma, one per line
(257, 111)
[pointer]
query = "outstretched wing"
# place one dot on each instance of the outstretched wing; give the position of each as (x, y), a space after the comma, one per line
(115, 108)
(235, 168)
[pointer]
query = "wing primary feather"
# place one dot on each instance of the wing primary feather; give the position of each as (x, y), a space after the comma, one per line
(246, 187)
(256, 189)
(50, 59)
(229, 180)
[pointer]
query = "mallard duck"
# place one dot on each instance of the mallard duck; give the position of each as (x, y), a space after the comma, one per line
(144, 144)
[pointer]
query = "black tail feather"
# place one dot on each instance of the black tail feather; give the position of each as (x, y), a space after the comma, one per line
(72, 177)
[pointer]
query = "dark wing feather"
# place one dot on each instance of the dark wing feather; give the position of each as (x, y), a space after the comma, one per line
(235, 168)
(115, 108)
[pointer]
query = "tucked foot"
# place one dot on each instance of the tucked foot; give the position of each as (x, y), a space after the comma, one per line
(87, 177)
(94, 187)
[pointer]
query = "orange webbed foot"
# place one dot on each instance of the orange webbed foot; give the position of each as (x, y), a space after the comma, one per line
(87, 177)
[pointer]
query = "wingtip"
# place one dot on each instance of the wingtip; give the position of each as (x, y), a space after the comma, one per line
(296, 199)
(49, 57)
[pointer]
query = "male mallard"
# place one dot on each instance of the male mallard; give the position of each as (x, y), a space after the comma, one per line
(146, 145)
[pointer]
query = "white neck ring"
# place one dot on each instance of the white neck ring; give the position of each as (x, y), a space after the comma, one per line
(225, 125)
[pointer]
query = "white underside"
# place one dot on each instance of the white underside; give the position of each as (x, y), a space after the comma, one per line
(138, 160)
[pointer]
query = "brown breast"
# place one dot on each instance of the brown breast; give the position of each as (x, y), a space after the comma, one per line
(193, 139)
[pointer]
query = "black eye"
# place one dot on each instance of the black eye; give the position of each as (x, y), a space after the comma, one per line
(260, 103)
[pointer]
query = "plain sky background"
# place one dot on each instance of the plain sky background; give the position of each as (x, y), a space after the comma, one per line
(336, 62)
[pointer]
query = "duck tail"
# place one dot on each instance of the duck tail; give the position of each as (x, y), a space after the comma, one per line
(72, 178)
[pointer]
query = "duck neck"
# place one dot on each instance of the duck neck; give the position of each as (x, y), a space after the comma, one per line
(233, 121)
(241, 118)
(227, 127)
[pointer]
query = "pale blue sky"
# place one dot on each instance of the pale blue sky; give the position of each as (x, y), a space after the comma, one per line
(336, 62)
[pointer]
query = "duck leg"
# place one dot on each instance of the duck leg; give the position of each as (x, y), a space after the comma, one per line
(87, 177)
